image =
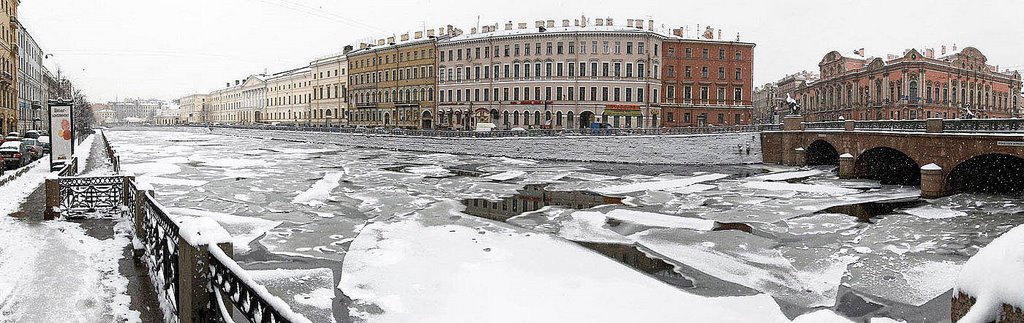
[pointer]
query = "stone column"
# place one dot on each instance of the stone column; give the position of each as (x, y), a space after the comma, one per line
(933, 182)
(195, 298)
(847, 166)
(797, 157)
(52, 187)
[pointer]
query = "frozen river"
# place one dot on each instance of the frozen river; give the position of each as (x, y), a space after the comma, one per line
(367, 235)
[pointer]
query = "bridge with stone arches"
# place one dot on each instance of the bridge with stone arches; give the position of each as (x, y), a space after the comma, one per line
(944, 157)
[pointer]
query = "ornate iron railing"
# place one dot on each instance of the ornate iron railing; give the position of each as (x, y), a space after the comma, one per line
(824, 125)
(70, 168)
(983, 125)
(115, 160)
(894, 125)
(769, 127)
(80, 195)
(230, 281)
(160, 238)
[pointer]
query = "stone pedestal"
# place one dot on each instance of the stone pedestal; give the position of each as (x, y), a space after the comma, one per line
(793, 123)
(933, 182)
(847, 166)
(849, 125)
(52, 190)
(933, 125)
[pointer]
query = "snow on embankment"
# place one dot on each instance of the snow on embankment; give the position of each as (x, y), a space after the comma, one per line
(674, 149)
(993, 278)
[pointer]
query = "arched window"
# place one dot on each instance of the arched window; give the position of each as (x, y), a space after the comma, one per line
(568, 119)
(536, 118)
(504, 119)
(558, 118)
(515, 117)
(913, 91)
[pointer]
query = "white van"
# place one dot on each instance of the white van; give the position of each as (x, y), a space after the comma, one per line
(485, 126)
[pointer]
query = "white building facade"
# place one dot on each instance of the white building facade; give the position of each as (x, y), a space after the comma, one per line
(564, 77)
(287, 97)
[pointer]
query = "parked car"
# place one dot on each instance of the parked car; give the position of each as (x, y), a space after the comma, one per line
(34, 134)
(45, 141)
(36, 147)
(12, 138)
(15, 154)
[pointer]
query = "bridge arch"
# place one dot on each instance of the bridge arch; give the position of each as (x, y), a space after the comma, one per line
(889, 166)
(989, 173)
(822, 152)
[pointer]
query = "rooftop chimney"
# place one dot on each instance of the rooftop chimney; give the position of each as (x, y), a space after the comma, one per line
(629, 23)
(599, 22)
(577, 22)
(472, 30)
(430, 33)
(391, 40)
(639, 24)
(508, 26)
(405, 37)
(381, 42)
(228, 84)
(418, 35)
(565, 22)
(538, 23)
(608, 21)
(237, 81)
(650, 25)
(677, 32)
(348, 48)
(522, 25)
(551, 24)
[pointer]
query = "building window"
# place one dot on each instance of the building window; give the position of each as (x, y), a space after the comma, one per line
(703, 54)
(704, 72)
(721, 73)
(739, 74)
(737, 94)
(689, 52)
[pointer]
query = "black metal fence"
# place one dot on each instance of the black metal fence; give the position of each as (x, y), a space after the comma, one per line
(202, 277)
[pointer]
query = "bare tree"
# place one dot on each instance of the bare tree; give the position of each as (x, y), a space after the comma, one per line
(84, 119)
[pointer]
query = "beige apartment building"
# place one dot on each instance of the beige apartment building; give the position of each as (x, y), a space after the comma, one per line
(192, 109)
(288, 97)
(240, 102)
(329, 89)
(392, 84)
(547, 76)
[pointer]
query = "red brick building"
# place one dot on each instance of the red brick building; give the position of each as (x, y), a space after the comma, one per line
(915, 85)
(706, 82)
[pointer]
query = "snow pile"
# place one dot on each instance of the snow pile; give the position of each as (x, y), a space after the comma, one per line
(992, 276)
(751, 261)
(243, 230)
(504, 176)
(934, 212)
(659, 220)
(784, 176)
(320, 191)
(806, 188)
(394, 272)
(201, 231)
(659, 184)
(54, 272)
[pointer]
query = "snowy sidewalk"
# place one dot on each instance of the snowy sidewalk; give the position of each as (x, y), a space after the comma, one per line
(60, 271)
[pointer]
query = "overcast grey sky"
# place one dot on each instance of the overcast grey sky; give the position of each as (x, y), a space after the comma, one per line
(169, 48)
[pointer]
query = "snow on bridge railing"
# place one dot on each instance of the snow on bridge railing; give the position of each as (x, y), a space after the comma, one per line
(824, 125)
(983, 125)
(894, 125)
